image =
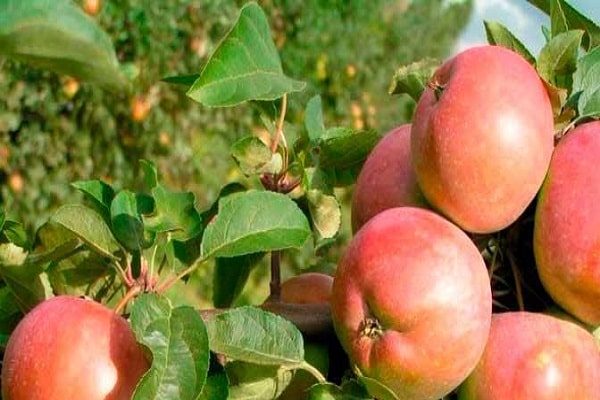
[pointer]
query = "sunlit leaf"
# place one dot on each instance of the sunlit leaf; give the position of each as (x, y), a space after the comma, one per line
(497, 34)
(256, 382)
(412, 79)
(254, 157)
(313, 119)
(559, 56)
(586, 84)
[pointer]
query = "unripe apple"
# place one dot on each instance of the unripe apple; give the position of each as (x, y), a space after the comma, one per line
(567, 225)
(308, 288)
(482, 137)
(387, 179)
(412, 303)
(531, 356)
(69, 348)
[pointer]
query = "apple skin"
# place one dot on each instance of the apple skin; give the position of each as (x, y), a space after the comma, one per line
(567, 225)
(531, 356)
(412, 303)
(386, 179)
(482, 137)
(308, 288)
(69, 348)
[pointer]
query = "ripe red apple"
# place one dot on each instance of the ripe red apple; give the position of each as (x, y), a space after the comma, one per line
(387, 179)
(482, 138)
(308, 288)
(531, 356)
(567, 225)
(68, 348)
(412, 303)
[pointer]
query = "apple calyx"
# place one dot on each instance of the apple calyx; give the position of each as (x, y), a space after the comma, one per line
(437, 87)
(371, 328)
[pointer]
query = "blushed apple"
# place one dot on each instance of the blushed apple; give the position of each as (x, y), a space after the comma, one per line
(307, 288)
(567, 225)
(386, 179)
(482, 137)
(412, 303)
(531, 356)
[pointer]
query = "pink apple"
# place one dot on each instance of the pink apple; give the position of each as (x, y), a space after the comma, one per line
(411, 303)
(482, 138)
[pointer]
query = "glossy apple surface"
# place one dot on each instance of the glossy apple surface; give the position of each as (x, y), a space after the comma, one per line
(412, 303)
(68, 348)
(482, 138)
(531, 356)
(386, 179)
(567, 225)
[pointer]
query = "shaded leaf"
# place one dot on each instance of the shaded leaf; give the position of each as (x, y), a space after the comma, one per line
(350, 390)
(127, 224)
(325, 212)
(256, 382)
(377, 389)
(10, 313)
(179, 344)
(559, 56)
(15, 233)
(245, 66)
(252, 222)
(57, 35)
(497, 34)
(87, 225)
(252, 335)
(99, 193)
(217, 382)
(230, 277)
(313, 119)
(412, 79)
(254, 157)
(184, 80)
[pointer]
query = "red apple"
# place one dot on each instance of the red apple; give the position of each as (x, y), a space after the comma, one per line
(412, 303)
(68, 348)
(532, 356)
(386, 179)
(567, 225)
(308, 288)
(482, 138)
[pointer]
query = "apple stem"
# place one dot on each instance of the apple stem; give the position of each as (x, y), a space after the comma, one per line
(438, 89)
(131, 293)
(275, 285)
(313, 371)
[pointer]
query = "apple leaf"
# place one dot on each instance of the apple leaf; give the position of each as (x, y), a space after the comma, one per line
(14, 232)
(254, 221)
(10, 313)
(350, 390)
(126, 210)
(586, 84)
(267, 339)
(217, 382)
(558, 19)
(57, 35)
(377, 389)
(313, 119)
(559, 56)
(256, 382)
(325, 212)
(412, 79)
(208, 214)
(245, 66)
(178, 341)
(100, 194)
(574, 20)
(230, 277)
(87, 225)
(254, 157)
(498, 35)
(184, 80)
(345, 147)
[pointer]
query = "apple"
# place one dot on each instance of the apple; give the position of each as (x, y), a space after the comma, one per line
(317, 355)
(140, 107)
(308, 288)
(482, 137)
(531, 356)
(567, 225)
(92, 7)
(69, 348)
(386, 179)
(412, 303)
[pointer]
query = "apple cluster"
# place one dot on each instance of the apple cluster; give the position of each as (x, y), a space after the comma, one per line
(412, 299)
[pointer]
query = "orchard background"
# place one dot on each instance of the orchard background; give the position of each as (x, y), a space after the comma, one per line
(165, 158)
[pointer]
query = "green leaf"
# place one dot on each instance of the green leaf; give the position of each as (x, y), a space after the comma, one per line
(174, 212)
(99, 193)
(345, 147)
(412, 79)
(325, 212)
(217, 382)
(586, 84)
(57, 35)
(254, 157)
(127, 224)
(184, 80)
(377, 389)
(252, 222)
(178, 341)
(559, 56)
(558, 19)
(15, 232)
(10, 314)
(575, 20)
(230, 277)
(498, 35)
(87, 225)
(252, 335)
(350, 390)
(245, 66)
(313, 119)
(210, 212)
(256, 382)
